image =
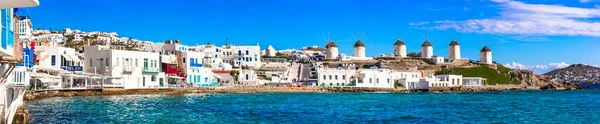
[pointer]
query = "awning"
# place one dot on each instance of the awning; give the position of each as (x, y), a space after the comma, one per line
(43, 56)
(67, 57)
(47, 80)
(176, 77)
(75, 58)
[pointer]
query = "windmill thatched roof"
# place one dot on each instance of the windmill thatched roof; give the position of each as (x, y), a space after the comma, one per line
(426, 43)
(359, 43)
(486, 49)
(454, 43)
(330, 44)
(399, 42)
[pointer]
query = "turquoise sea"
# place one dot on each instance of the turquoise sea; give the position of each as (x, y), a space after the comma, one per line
(581, 106)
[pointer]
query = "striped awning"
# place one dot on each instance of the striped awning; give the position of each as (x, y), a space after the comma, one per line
(67, 57)
(75, 58)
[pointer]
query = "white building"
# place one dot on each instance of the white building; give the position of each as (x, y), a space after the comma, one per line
(78, 37)
(25, 28)
(126, 69)
(234, 55)
(485, 55)
(197, 75)
(245, 56)
(473, 81)
(454, 50)
(438, 59)
(380, 78)
(329, 77)
(399, 48)
(54, 39)
(410, 80)
(270, 51)
(249, 77)
(20, 77)
(426, 50)
(57, 58)
(447, 81)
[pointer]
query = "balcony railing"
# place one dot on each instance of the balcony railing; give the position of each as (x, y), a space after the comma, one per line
(128, 69)
(196, 65)
(72, 68)
(147, 69)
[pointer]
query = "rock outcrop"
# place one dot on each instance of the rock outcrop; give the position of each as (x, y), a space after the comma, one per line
(529, 79)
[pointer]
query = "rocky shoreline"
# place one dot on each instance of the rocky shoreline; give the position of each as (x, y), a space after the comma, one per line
(272, 89)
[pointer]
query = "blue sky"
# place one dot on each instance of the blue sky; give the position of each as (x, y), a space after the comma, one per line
(537, 35)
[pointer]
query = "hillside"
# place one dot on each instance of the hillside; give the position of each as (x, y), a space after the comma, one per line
(576, 73)
(493, 76)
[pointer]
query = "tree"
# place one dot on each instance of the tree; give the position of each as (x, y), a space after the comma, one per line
(235, 74)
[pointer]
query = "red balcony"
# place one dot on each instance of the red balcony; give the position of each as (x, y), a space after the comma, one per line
(170, 68)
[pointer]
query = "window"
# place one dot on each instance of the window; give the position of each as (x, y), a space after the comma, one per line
(91, 63)
(247, 52)
(324, 77)
(205, 79)
(370, 80)
(136, 62)
(336, 77)
(153, 78)
(377, 80)
(388, 80)
(107, 62)
(53, 60)
(184, 60)
(239, 52)
(343, 77)
(145, 63)
(330, 77)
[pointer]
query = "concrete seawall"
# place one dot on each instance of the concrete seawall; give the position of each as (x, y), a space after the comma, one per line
(31, 95)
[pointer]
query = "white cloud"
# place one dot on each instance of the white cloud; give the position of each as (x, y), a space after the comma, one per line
(588, 1)
(559, 65)
(515, 65)
(538, 69)
(518, 18)
(418, 23)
